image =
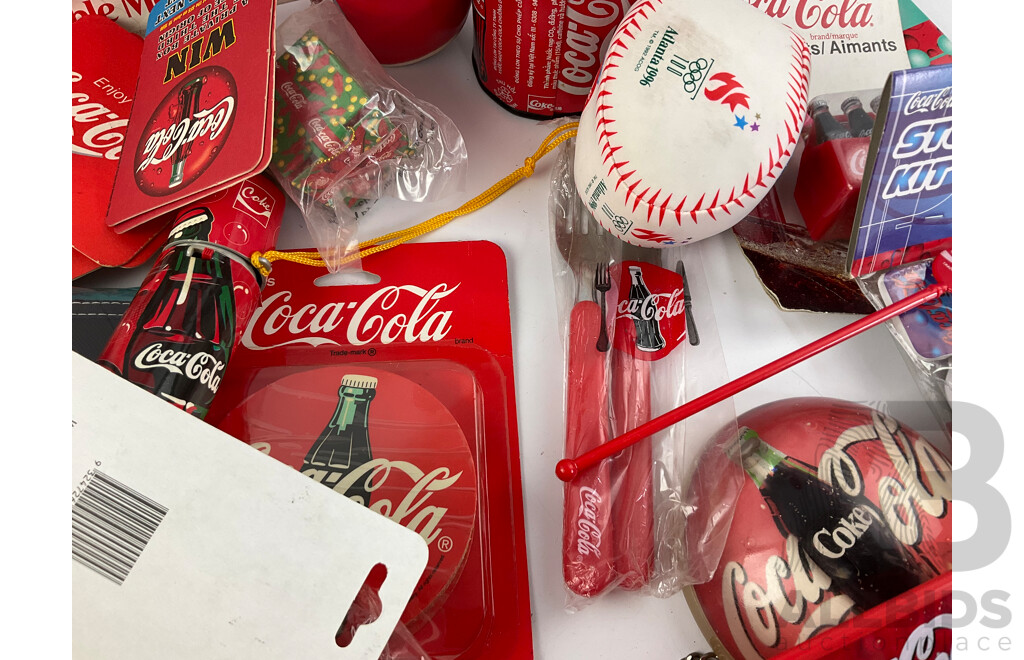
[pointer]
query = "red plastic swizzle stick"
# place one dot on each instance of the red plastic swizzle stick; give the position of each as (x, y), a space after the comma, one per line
(942, 268)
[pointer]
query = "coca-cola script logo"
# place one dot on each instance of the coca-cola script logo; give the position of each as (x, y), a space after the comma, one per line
(405, 313)
(186, 132)
(589, 26)
(96, 128)
(202, 367)
(650, 310)
(588, 530)
(818, 14)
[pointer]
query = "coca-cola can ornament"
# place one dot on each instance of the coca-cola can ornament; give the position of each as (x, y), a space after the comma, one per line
(176, 337)
(843, 510)
(542, 59)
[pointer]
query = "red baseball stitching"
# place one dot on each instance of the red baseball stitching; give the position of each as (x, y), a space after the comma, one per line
(796, 102)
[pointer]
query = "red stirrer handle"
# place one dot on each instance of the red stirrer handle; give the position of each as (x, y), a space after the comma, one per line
(568, 468)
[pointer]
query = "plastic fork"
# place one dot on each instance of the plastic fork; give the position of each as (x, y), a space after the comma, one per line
(602, 283)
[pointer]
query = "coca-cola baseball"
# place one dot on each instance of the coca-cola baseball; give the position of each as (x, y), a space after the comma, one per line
(695, 113)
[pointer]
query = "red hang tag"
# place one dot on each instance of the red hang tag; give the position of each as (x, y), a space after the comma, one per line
(203, 100)
(650, 317)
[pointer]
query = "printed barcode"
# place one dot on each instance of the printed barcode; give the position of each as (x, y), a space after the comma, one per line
(111, 525)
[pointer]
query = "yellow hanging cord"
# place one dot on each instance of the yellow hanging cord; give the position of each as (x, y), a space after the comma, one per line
(262, 260)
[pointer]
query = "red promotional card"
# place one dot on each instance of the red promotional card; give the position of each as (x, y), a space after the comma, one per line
(203, 106)
(104, 69)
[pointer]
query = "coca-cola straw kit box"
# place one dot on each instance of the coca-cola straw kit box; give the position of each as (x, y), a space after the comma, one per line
(188, 544)
(203, 107)
(905, 210)
(399, 395)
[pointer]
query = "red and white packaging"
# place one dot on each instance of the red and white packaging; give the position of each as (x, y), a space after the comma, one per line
(130, 15)
(541, 59)
(400, 395)
(632, 353)
(104, 70)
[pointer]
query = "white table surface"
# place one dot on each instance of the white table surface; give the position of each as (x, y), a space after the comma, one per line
(752, 332)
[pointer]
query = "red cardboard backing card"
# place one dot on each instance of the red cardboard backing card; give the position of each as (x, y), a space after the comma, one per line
(104, 69)
(202, 109)
(429, 350)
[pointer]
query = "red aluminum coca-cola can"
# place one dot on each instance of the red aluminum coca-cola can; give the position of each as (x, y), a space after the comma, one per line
(541, 58)
(177, 335)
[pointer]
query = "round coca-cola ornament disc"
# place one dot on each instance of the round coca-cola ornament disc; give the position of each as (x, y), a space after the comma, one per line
(186, 132)
(384, 442)
(842, 508)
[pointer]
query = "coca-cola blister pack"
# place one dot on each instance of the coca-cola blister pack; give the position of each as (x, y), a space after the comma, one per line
(630, 326)
(399, 395)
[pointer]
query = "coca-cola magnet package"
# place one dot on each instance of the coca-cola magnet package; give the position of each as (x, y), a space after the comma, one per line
(400, 396)
(203, 106)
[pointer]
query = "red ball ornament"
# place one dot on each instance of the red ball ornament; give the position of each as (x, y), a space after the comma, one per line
(842, 508)
(408, 31)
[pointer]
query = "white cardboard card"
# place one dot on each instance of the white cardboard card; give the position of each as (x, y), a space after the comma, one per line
(191, 544)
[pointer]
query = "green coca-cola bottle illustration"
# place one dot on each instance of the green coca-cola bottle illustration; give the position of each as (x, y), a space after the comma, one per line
(344, 444)
(846, 536)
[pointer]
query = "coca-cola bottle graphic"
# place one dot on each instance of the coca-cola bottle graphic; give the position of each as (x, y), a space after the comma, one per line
(177, 334)
(826, 127)
(845, 536)
(861, 123)
(344, 444)
(644, 310)
(182, 334)
(188, 106)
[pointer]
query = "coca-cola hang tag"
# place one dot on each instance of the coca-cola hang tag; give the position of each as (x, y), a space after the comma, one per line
(649, 313)
(201, 111)
(199, 122)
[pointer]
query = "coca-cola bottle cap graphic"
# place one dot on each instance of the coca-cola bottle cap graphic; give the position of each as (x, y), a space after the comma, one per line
(383, 441)
(842, 508)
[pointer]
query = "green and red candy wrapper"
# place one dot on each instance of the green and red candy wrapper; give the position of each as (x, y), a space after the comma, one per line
(327, 127)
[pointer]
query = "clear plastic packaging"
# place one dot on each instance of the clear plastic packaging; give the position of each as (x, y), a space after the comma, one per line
(346, 134)
(924, 335)
(633, 352)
